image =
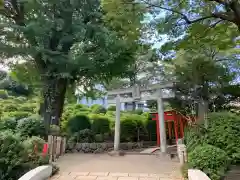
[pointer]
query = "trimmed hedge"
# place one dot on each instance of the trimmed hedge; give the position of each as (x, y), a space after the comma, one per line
(213, 149)
(98, 109)
(77, 123)
(100, 124)
(210, 159)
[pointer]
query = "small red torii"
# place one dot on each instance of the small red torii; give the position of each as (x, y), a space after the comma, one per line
(170, 117)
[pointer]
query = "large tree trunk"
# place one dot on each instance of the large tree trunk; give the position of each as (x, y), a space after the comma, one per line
(54, 95)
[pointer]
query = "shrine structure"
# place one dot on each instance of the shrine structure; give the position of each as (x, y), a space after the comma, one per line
(159, 92)
(174, 123)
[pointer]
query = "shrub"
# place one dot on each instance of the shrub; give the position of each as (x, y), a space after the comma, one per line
(10, 107)
(18, 114)
(100, 124)
(77, 123)
(224, 132)
(99, 138)
(138, 111)
(12, 156)
(111, 108)
(210, 159)
(28, 107)
(194, 136)
(16, 156)
(98, 109)
(133, 128)
(9, 123)
(31, 126)
(128, 130)
(83, 136)
(3, 94)
(34, 146)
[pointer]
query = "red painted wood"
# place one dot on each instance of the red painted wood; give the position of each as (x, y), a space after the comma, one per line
(181, 127)
(176, 129)
(169, 124)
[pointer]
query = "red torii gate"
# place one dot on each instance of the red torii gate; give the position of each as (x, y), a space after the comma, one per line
(170, 117)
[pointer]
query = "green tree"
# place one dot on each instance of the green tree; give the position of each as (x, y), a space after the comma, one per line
(66, 41)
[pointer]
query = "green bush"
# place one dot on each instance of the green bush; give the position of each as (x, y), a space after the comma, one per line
(17, 114)
(138, 111)
(9, 123)
(98, 109)
(3, 94)
(224, 132)
(34, 146)
(128, 130)
(111, 108)
(13, 157)
(77, 123)
(99, 138)
(17, 156)
(194, 136)
(28, 107)
(10, 107)
(133, 127)
(83, 136)
(31, 126)
(100, 124)
(210, 159)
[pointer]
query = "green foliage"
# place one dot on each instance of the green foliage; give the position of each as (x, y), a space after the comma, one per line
(17, 114)
(17, 156)
(100, 124)
(3, 94)
(31, 126)
(99, 138)
(83, 136)
(224, 132)
(9, 123)
(98, 109)
(13, 157)
(210, 159)
(111, 108)
(78, 123)
(133, 127)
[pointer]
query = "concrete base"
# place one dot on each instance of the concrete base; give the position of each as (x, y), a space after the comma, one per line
(39, 173)
(116, 153)
(195, 174)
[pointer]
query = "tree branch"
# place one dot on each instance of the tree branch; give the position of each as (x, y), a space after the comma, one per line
(184, 17)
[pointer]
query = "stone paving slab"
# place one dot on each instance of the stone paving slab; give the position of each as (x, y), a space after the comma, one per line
(104, 167)
(112, 176)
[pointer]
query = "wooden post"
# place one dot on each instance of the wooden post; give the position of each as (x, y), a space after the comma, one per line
(169, 124)
(176, 129)
(181, 127)
(58, 145)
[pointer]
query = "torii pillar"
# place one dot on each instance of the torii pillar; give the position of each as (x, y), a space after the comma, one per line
(162, 128)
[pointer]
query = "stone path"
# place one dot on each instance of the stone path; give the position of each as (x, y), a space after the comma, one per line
(129, 167)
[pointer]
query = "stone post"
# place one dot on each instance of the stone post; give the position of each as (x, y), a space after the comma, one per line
(117, 124)
(162, 128)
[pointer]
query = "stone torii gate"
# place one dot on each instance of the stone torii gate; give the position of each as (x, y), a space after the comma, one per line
(136, 93)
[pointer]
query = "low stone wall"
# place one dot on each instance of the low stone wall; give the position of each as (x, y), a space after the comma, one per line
(39, 173)
(105, 147)
(194, 174)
